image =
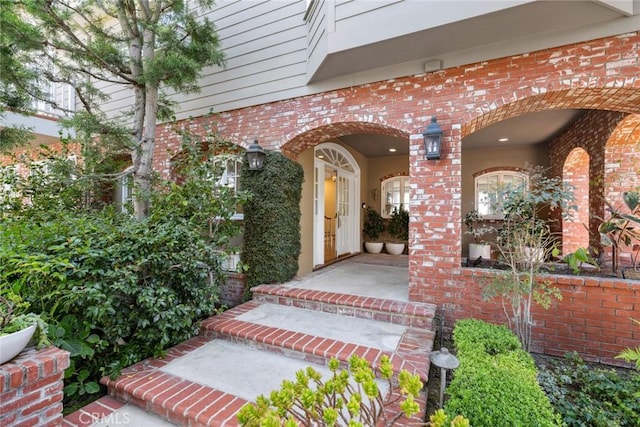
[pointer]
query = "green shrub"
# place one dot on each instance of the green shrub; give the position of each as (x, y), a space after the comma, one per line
(272, 220)
(496, 384)
(472, 335)
(117, 290)
(584, 395)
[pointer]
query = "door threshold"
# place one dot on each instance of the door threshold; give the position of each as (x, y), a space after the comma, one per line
(335, 260)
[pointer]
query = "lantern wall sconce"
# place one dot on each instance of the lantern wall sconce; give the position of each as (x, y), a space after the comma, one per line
(433, 140)
(255, 156)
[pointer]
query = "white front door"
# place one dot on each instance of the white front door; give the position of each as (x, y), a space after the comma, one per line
(347, 194)
(345, 218)
(318, 214)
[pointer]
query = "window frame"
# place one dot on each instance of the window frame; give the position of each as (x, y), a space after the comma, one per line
(404, 188)
(222, 161)
(516, 175)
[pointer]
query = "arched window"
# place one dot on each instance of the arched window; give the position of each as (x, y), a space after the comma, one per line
(488, 187)
(395, 192)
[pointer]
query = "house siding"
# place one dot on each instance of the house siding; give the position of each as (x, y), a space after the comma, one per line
(273, 52)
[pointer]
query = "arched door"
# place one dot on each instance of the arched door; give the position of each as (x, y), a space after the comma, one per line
(344, 220)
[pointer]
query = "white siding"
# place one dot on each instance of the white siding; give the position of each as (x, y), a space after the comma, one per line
(274, 48)
(264, 44)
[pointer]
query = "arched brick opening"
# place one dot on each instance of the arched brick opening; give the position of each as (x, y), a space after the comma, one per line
(575, 174)
(625, 100)
(299, 145)
(606, 108)
(316, 133)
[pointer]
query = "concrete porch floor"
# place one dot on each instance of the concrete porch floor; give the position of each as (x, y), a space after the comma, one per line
(359, 305)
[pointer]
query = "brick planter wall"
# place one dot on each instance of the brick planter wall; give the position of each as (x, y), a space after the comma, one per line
(31, 388)
(232, 291)
(593, 317)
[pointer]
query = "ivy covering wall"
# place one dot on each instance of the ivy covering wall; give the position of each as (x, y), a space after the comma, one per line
(272, 220)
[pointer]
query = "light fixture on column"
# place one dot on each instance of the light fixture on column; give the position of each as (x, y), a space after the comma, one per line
(433, 140)
(255, 156)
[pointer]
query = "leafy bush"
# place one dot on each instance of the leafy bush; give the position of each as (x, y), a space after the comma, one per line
(117, 290)
(584, 395)
(374, 224)
(398, 226)
(495, 384)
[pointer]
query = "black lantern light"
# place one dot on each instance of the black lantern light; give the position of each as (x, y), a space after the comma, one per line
(255, 156)
(433, 139)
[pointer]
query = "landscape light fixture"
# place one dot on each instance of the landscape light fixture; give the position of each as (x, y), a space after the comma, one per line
(255, 156)
(443, 360)
(433, 139)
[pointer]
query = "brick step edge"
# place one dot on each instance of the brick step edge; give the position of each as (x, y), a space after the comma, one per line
(175, 399)
(419, 315)
(411, 354)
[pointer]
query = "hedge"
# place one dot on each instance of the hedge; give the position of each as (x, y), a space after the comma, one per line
(496, 383)
(272, 220)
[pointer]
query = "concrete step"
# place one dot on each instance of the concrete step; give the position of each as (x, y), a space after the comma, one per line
(317, 336)
(415, 314)
(199, 383)
(250, 349)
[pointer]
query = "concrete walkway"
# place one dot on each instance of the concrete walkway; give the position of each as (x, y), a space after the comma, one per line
(358, 306)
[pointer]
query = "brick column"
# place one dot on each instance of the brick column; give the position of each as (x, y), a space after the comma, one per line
(31, 388)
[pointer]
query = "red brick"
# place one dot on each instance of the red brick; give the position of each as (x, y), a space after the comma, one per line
(37, 406)
(29, 422)
(43, 383)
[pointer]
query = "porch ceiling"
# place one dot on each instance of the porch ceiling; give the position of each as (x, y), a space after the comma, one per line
(528, 129)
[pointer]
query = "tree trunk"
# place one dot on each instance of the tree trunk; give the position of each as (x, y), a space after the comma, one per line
(143, 154)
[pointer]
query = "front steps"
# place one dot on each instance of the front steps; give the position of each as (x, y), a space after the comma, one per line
(250, 349)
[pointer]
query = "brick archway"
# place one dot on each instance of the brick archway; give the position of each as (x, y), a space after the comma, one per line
(318, 132)
(624, 100)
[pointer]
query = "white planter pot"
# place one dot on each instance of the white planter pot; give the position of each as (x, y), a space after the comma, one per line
(534, 255)
(394, 248)
(12, 344)
(477, 250)
(373, 247)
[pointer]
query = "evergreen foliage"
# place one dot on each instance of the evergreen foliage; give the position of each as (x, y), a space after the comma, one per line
(145, 48)
(272, 220)
(374, 224)
(116, 290)
(496, 384)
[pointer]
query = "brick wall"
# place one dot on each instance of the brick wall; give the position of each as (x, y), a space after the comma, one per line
(611, 145)
(31, 388)
(590, 133)
(232, 291)
(593, 317)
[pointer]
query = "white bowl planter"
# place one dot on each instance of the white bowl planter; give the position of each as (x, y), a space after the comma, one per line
(374, 247)
(394, 248)
(534, 254)
(12, 344)
(477, 250)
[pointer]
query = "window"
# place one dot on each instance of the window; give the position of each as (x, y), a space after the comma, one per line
(489, 185)
(228, 168)
(124, 190)
(395, 193)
